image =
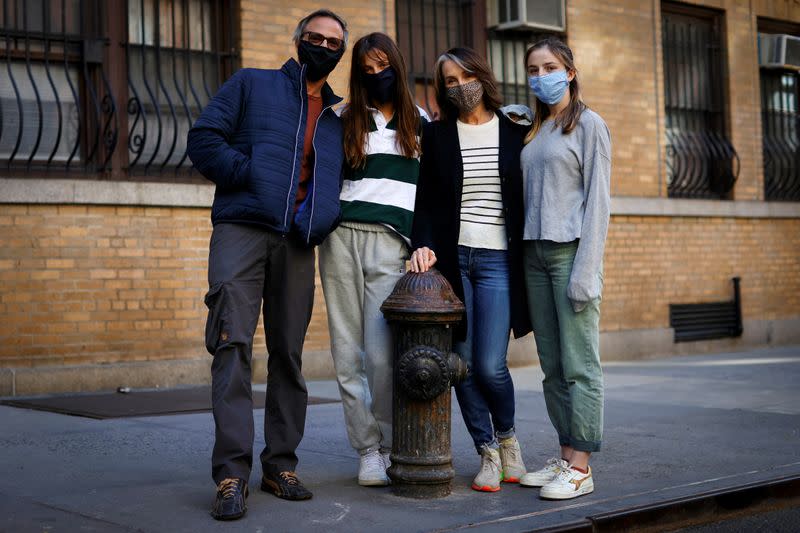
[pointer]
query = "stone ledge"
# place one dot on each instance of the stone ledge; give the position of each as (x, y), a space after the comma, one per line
(99, 192)
(7, 382)
(673, 207)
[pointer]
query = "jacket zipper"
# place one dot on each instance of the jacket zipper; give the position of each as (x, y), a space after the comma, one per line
(314, 173)
(294, 158)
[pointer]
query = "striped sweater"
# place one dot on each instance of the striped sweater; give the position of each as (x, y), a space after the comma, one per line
(383, 191)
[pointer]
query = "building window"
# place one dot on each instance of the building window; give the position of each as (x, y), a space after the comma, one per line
(701, 161)
(506, 53)
(108, 87)
(780, 90)
(426, 29)
(513, 27)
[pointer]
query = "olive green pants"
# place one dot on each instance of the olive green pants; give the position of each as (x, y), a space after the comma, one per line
(568, 345)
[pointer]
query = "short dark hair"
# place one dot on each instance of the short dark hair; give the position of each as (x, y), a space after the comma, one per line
(472, 62)
(301, 26)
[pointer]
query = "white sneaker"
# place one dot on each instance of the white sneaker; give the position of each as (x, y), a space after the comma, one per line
(372, 470)
(386, 459)
(491, 472)
(569, 483)
(511, 459)
(544, 476)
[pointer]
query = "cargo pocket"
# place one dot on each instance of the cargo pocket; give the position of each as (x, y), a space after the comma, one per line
(216, 330)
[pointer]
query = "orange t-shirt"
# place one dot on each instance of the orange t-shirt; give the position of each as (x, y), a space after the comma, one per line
(307, 165)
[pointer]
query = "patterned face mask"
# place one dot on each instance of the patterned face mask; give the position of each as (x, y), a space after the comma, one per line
(465, 97)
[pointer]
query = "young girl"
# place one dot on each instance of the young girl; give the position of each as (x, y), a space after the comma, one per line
(361, 261)
(566, 165)
(468, 222)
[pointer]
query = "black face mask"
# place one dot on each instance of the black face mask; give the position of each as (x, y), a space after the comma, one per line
(319, 60)
(380, 87)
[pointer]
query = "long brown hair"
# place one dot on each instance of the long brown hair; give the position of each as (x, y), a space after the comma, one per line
(469, 60)
(356, 117)
(569, 117)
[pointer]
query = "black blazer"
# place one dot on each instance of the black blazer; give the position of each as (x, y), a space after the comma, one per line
(437, 211)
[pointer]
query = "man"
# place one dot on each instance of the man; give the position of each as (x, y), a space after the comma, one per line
(271, 142)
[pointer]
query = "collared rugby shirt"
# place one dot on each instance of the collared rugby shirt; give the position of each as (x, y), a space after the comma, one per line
(383, 191)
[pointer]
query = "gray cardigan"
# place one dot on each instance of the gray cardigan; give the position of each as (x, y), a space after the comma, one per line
(566, 185)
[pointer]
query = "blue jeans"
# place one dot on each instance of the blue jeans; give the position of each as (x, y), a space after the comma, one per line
(486, 397)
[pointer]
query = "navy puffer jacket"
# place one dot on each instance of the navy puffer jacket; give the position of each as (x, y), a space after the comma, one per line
(249, 142)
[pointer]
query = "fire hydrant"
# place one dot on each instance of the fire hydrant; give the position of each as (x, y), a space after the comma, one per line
(422, 310)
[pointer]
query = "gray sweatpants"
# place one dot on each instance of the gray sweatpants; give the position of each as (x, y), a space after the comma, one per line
(248, 266)
(359, 265)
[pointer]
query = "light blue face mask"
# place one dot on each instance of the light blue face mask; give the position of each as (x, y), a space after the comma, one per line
(549, 88)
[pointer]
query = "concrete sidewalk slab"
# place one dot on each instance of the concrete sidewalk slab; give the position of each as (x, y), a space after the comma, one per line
(674, 427)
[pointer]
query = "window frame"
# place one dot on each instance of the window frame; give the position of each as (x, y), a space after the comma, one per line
(100, 50)
(708, 141)
(775, 191)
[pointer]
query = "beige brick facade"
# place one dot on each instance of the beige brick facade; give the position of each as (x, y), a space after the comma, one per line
(99, 285)
(267, 27)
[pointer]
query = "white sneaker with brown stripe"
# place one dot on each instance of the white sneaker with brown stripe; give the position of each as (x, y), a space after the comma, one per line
(568, 484)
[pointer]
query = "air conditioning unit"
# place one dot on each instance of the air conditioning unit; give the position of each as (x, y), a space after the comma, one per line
(543, 15)
(778, 51)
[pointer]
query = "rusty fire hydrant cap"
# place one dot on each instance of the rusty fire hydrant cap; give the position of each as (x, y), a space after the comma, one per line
(423, 297)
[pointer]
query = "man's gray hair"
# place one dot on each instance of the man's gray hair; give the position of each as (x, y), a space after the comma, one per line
(301, 26)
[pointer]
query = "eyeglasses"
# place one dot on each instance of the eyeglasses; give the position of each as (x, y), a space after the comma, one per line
(332, 43)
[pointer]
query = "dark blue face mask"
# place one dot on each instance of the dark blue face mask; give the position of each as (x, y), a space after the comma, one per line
(381, 86)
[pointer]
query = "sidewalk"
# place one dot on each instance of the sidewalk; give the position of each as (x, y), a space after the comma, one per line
(673, 427)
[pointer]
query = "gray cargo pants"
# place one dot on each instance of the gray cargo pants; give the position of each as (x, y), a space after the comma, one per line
(247, 266)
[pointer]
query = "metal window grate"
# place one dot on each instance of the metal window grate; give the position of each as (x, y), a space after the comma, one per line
(426, 28)
(701, 161)
(56, 104)
(703, 321)
(779, 112)
(506, 52)
(108, 87)
(178, 53)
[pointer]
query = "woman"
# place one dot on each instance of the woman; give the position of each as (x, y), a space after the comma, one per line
(361, 261)
(566, 165)
(468, 222)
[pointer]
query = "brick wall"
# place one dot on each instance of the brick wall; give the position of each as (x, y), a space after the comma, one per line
(87, 284)
(651, 262)
(93, 284)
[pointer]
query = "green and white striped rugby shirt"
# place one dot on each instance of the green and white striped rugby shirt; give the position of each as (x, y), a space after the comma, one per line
(383, 191)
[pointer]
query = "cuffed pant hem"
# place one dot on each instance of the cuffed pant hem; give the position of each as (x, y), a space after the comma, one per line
(585, 445)
(493, 444)
(505, 434)
(369, 449)
(564, 441)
